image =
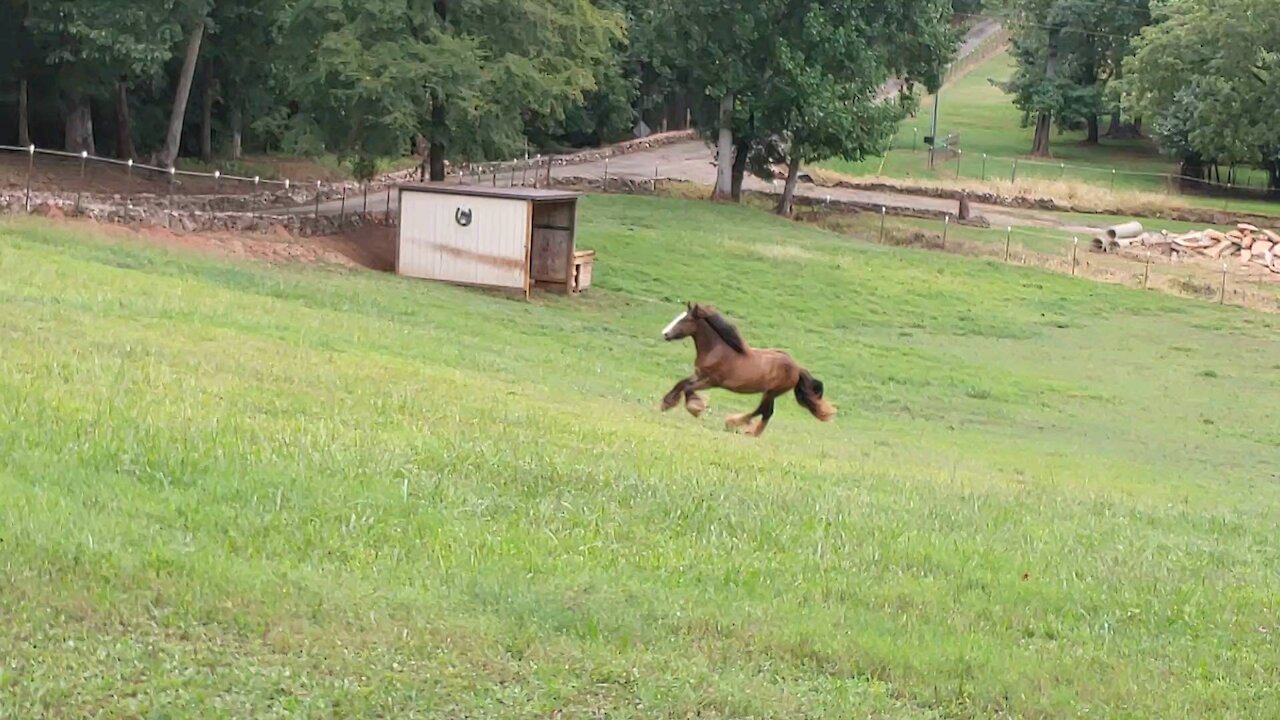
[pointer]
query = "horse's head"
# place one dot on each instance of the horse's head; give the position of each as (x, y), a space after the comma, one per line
(684, 325)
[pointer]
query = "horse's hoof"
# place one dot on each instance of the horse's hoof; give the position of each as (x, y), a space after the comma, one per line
(696, 406)
(756, 431)
(667, 405)
(733, 422)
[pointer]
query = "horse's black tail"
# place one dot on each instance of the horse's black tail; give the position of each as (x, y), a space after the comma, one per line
(809, 393)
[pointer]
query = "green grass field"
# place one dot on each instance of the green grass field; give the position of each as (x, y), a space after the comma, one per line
(989, 124)
(232, 490)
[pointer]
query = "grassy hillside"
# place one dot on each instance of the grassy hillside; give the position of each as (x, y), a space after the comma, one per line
(236, 490)
(987, 122)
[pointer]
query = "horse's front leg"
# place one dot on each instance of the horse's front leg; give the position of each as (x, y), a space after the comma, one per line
(688, 388)
(672, 398)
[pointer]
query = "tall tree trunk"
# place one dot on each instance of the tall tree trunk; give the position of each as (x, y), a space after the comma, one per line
(742, 151)
(124, 123)
(24, 120)
(172, 141)
(438, 128)
(1044, 124)
(439, 112)
(206, 114)
(1092, 137)
(237, 133)
(786, 205)
(724, 151)
(1116, 126)
(79, 125)
(1040, 145)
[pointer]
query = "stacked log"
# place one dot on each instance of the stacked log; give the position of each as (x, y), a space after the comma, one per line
(1253, 246)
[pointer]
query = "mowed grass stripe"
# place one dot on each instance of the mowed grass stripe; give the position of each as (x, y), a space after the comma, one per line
(306, 491)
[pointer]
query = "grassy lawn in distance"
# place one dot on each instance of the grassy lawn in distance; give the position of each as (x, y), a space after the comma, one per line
(230, 489)
(988, 123)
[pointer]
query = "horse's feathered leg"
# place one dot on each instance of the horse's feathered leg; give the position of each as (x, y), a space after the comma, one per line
(764, 411)
(672, 398)
(688, 389)
(695, 403)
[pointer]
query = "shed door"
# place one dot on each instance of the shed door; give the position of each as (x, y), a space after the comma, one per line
(464, 239)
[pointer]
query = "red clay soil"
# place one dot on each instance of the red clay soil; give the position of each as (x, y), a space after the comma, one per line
(372, 248)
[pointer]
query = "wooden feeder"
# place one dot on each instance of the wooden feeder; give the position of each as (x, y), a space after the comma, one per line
(516, 239)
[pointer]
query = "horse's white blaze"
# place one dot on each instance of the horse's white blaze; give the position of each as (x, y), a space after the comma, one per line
(674, 323)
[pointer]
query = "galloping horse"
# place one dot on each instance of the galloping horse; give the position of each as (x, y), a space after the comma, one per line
(726, 361)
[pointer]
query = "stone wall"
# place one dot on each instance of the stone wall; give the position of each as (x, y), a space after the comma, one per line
(182, 214)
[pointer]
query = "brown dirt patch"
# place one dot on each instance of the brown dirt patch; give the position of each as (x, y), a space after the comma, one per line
(372, 248)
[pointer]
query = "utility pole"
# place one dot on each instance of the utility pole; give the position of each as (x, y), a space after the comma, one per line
(933, 135)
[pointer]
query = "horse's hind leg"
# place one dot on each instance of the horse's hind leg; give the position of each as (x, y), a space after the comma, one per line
(765, 411)
(765, 408)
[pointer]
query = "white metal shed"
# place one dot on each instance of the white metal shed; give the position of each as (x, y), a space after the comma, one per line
(517, 239)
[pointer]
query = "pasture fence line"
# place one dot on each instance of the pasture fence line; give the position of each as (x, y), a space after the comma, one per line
(1227, 284)
(1251, 185)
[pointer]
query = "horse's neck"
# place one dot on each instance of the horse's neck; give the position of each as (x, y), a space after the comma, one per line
(707, 339)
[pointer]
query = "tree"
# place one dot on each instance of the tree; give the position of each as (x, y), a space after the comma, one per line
(1067, 51)
(1204, 72)
(829, 59)
(465, 75)
(796, 79)
(717, 48)
(97, 45)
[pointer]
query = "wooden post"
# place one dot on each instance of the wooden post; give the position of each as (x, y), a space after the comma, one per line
(365, 209)
(1008, 238)
(883, 212)
(1014, 177)
(84, 157)
(1113, 180)
(946, 225)
(1222, 297)
(128, 183)
(959, 154)
(31, 166)
(1075, 247)
(1146, 271)
(172, 176)
(317, 200)
(605, 187)
(386, 218)
(342, 216)
(984, 167)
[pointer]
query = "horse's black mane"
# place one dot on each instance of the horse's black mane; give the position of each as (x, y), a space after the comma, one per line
(725, 330)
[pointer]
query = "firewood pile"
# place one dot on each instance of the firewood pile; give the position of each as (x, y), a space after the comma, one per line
(1252, 246)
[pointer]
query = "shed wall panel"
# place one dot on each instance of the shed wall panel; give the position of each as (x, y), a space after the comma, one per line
(490, 251)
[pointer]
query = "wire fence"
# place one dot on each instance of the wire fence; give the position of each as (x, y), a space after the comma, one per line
(46, 173)
(1226, 282)
(953, 163)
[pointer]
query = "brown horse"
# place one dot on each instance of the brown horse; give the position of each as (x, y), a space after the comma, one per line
(726, 361)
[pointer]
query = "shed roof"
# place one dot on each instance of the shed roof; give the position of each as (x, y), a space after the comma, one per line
(509, 193)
